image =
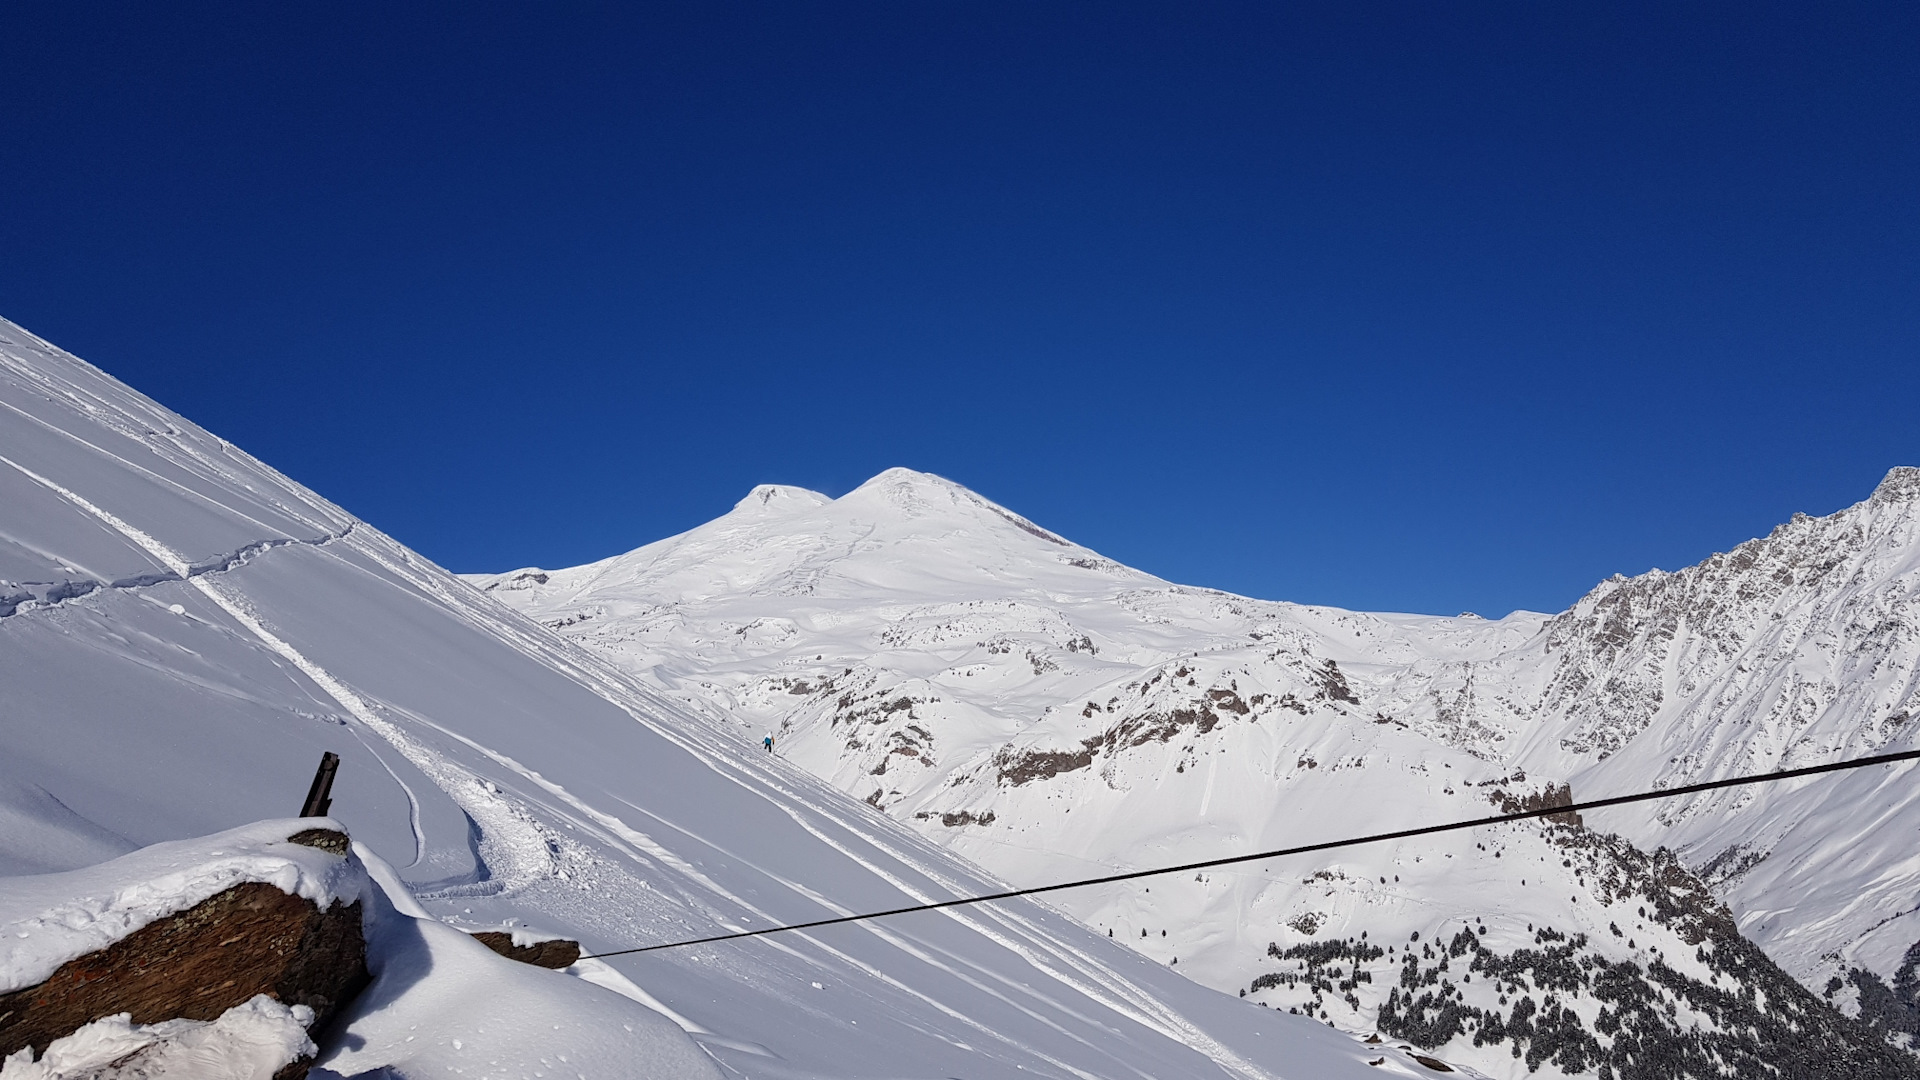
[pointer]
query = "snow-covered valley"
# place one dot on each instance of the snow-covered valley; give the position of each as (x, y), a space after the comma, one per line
(185, 630)
(1049, 713)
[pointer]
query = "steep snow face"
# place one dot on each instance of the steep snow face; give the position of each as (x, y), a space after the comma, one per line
(1050, 713)
(185, 630)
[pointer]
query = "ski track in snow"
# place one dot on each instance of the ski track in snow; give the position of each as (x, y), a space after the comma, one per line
(505, 829)
(1098, 985)
(1099, 990)
(1162, 1022)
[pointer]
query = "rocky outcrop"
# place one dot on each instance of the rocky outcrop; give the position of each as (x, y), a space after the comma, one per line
(247, 940)
(556, 953)
(1533, 801)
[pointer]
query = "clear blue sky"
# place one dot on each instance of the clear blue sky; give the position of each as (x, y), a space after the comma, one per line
(1403, 306)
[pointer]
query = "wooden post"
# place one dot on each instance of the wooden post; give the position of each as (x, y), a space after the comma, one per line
(320, 795)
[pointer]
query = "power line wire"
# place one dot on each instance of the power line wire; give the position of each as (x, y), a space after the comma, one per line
(1400, 834)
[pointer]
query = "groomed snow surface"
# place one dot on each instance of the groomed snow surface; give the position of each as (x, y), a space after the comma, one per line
(184, 630)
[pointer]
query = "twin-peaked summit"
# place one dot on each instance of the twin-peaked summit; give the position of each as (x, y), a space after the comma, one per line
(902, 533)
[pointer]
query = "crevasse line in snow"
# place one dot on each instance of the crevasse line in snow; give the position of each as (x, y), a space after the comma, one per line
(78, 589)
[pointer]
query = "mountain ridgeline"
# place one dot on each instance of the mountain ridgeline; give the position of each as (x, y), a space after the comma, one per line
(1050, 713)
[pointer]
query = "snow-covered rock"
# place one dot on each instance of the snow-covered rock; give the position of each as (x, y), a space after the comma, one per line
(48, 920)
(199, 952)
(251, 1041)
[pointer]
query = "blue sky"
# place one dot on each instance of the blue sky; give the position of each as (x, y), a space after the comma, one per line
(1397, 306)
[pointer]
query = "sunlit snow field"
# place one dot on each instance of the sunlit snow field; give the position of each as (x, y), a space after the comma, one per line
(186, 630)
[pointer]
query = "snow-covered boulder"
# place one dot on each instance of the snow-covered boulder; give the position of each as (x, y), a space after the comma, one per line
(180, 949)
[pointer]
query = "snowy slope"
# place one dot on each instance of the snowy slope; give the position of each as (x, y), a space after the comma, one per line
(1048, 712)
(184, 630)
(439, 1001)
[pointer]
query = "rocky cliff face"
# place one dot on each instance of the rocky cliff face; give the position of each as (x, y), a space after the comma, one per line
(1050, 713)
(1795, 648)
(1816, 619)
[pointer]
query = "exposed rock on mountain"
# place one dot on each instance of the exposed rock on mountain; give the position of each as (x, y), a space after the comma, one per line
(1050, 713)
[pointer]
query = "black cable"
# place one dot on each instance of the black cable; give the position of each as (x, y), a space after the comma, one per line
(1425, 830)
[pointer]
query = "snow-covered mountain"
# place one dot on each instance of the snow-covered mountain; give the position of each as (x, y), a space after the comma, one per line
(1050, 713)
(184, 630)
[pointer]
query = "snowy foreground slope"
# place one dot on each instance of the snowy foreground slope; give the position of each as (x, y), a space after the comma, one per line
(1050, 713)
(472, 1006)
(184, 630)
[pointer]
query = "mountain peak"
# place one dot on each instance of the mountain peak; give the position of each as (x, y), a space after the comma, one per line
(911, 492)
(903, 482)
(918, 493)
(770, 499)
(1901, 484)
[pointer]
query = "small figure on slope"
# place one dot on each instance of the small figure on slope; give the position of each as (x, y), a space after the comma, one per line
(768, 743)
